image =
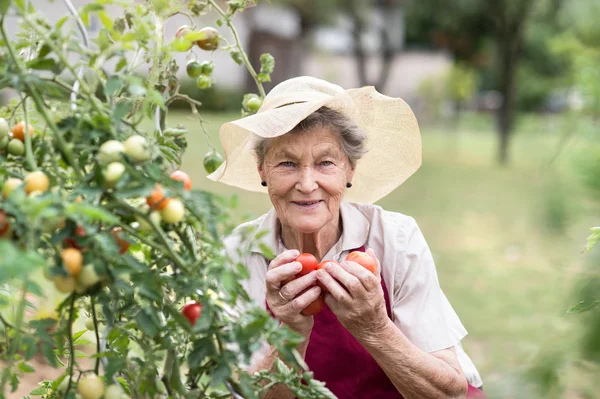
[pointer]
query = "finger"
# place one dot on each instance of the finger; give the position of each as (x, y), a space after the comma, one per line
(367, 279)
(333, 286)
(371, 253)
(284, 258)
(275, 276)
(302, 301)
(295, 287)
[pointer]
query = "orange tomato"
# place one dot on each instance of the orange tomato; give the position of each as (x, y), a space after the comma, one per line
(157, 199)
(123, 244)
(309, 263)
(363, 259)
(73, 260)
(36, 181)
(18, 131)
(182, 177)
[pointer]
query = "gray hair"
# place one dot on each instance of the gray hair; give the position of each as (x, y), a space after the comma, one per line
(352, 137)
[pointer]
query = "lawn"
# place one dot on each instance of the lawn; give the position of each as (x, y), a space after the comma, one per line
(507, 240)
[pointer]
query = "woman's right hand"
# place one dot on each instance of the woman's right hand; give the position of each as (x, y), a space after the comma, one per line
(287, 301)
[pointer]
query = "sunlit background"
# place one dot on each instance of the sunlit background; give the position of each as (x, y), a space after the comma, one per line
(507, 94)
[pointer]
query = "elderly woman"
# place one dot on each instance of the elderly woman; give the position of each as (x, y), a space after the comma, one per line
(324, 155)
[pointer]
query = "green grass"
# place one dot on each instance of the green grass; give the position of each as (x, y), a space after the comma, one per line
(507, 240)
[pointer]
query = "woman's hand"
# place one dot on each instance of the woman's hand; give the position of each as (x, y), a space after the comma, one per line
(355, 296)
(286, 301)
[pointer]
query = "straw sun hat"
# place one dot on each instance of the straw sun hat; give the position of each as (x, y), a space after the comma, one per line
(393, 138)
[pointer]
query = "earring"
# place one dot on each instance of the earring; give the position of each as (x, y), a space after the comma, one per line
(263, 183)
(348, 185)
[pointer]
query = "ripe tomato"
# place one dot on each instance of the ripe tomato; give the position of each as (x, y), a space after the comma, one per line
(3, 128)
(363, 259)
(309, 263)
(4, 224)
(193, 68)
(137, 148)
(113, 173)
(315, 307)
(110, 151)
(123, 244)
(73, 260)
(203, 82)
(64, 284)
(183, 177)
(10, 185)
(157, 199)
(173, 212)
(212, 161)
(16, 147)
(36, 181)
(192, 311)
(18, 131)
(91, 387)
(210, 41)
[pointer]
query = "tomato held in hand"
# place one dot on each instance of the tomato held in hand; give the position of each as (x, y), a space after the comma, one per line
(363, 259)
(309, 263)
(182, 177)
(315, 307)
(192, 311)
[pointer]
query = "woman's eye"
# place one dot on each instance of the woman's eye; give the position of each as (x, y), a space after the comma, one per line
(326, 163)
(286, 164)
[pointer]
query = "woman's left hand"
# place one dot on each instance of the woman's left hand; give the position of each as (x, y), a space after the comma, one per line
(355, 296)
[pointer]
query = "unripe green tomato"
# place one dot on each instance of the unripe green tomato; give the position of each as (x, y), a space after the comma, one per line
(173, 212)
(203, 82)
(113, 173)
(113, 391)
(144, 225)
(254, 104)
(110, 151)
(87, 277)
(91, 387)
(3, 128)
(137, 148)
(89, 324)
(4, 142)
(65, 284)
(10, 185)
(16, 147)
(212, 161)
(193, 68)
(207, 67)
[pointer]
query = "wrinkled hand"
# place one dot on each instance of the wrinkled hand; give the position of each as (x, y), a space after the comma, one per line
(288, 310)
(355, 296)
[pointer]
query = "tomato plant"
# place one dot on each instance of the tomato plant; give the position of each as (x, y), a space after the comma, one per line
(363, 259)
(94, 203)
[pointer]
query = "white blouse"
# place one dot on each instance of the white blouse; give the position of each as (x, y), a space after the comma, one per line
(419, 307)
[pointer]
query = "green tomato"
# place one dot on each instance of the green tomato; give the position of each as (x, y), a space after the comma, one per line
(87, 277)
(4, 142)
(254, 104)
(173, 212)
(113, 173)
(89, 323)
(193, 68)
(91, 387)
(3, 128)
(144, 225)
(136, 147)
(113, 391)
(110, 151)
(16, 147)
(207, 67)
(212, 161)
(203, 82)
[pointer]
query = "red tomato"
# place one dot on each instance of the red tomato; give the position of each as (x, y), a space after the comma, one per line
(320, 266)
(192, 311)
(363, 259)
(4, 225)
(157, 199)
(315, 307)
(123, 244)
(183, 177)
(309, 263)
(71, 242)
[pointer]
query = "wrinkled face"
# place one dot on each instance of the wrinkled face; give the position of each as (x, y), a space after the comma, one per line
(306, 175)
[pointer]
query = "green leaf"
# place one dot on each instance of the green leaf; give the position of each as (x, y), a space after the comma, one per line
(106, 20)
(584, 306)
(121, 109)
(26, 368)
(121, 64)
(75, 211)
(593, 239)
(236, 56)
(266, 251)
(4, 4)
(44, 64)
(220, 375)
(39, 391)
(146, 324)
(112, 85)
(281, 367)
(78, 335)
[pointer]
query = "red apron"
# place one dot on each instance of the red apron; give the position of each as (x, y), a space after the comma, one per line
(349, 371)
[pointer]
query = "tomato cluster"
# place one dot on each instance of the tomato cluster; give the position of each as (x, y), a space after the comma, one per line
(171, 210)
(12, 140)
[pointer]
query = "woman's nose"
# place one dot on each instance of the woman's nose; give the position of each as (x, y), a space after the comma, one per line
(306, 182)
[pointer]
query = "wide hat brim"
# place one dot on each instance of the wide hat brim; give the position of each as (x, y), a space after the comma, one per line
(393, 140)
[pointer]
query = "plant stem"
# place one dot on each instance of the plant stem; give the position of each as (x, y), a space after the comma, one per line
(28, 147)
(98, 349)
(71, 346)
(238, 44)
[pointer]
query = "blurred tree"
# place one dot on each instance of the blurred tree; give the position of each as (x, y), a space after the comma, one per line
(466, 28)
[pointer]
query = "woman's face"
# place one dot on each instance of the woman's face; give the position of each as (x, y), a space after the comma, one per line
(306, 174)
